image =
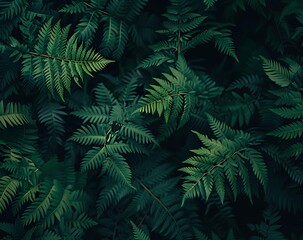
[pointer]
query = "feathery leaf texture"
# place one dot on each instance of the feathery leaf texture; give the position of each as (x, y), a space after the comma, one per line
(276, 72)
(139, 234)
(220, 162)
(57, 59)
(13, 114)
(173, 97)
(8, 190)
(103, 160)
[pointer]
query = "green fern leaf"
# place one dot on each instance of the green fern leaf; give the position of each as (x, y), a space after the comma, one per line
(257, 163)
(290, 131)
(87, 27)
(138, 233)
(10, 9)
(225, 44)
(60, 59)
(74, 7)
(276, 72)
(222, 161)
(13, 114)
(89, 135)
(81, 221)
(199, 235)
(38, 209)
(138, 133)
(172, 97)
(60, 205)
(209, 3)
(220, 129)
(8, 190)
(103, 95)
(290, 113)
(116, 166)
(111, 195)
(93, 114)
(50, 235)
(93, 158)
(156, 59)
(23, 197)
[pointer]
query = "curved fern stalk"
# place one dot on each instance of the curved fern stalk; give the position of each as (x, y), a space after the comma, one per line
(166, 217)
(57, 60)
(13, 114)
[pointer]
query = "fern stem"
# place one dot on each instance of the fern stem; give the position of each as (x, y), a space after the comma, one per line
(215, 166)
(158, 200)
(179, 37)
(221, 163)
(56, 58)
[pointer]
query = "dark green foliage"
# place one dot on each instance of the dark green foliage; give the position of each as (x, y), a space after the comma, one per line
(193, 131)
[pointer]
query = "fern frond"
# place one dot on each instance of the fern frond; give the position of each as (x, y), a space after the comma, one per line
(156, 59)
(103, 95)
(225, 44)
(111, 195)
(13, 114)
(93, 158)
(60, 60)
(220, 129)
(295, 112)
(269, 227)
(257, 163)
(80, 220)
(290, 131)
(138, 133)
(135, 9)
(116, 166)
(10, 9)
(173, 97)
(23, 197)
(60, 205)
(89, 135)
(222, 159)
(38, 209)
(138, 233)
(209, 3)
(202, 38)
(50, 235)
(8, 190)
(199, 235)
(87, 27)
(276, 72)
(115, 37)
(252, 82)
(93, 114)
(52, 116)
(240, 109)
(74, 7)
